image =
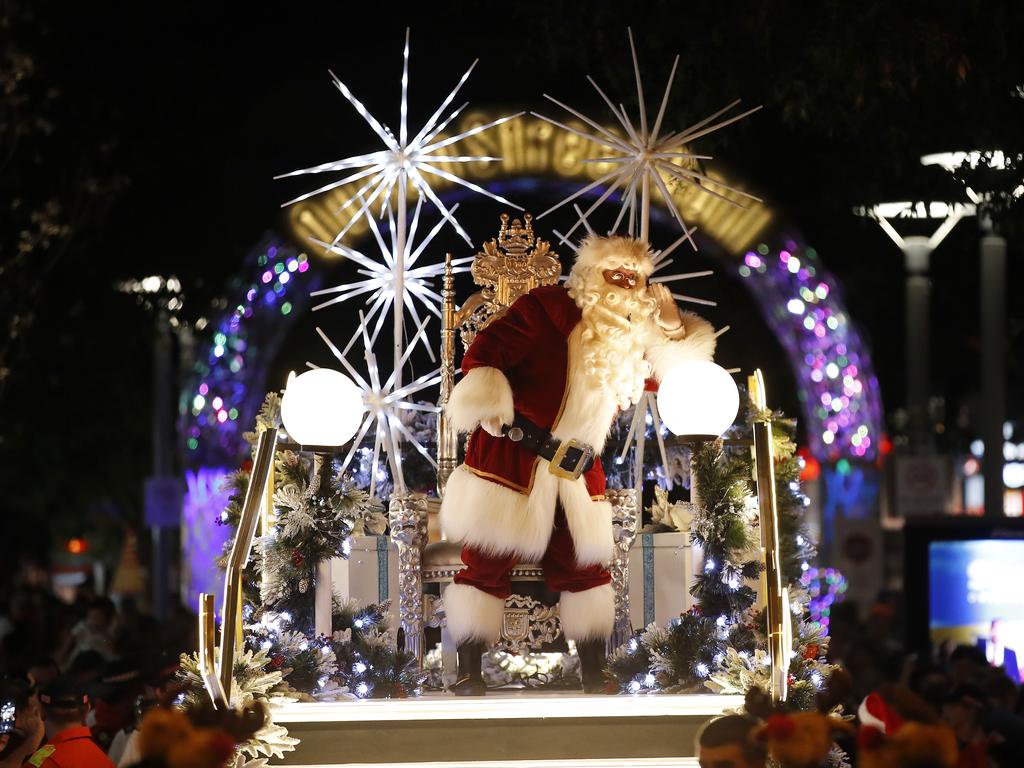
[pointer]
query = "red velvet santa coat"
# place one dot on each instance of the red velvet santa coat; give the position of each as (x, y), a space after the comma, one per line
(502, 499)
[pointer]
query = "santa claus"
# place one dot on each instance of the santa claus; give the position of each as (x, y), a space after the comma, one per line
(540, 389)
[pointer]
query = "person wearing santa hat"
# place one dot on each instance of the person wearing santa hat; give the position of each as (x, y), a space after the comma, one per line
(540, 389)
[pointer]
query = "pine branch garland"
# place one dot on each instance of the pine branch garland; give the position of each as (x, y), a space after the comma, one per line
(371, 664)
(721, 526)
(676, 659)
(314, 519)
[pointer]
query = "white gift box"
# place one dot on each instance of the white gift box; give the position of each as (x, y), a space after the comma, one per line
(661, 567)
(370, 575)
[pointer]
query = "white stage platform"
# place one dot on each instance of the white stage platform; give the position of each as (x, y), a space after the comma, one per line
(502, 730)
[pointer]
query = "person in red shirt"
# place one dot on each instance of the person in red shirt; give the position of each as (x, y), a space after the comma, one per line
(69, 741)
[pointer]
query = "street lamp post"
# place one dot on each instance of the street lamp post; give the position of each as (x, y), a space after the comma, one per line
(993, 364)
(163, 490)
(321, 410)
(992, 252)
(917, 253)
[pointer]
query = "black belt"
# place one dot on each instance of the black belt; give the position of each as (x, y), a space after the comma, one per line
(566, 458)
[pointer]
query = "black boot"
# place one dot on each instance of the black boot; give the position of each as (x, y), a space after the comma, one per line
(470, 681)
(592, 661)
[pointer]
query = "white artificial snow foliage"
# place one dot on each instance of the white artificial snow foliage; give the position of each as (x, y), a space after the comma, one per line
(739, 671)
(676, 515)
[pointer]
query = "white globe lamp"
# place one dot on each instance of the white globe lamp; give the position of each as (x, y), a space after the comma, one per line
(322, 408)
(698, 400)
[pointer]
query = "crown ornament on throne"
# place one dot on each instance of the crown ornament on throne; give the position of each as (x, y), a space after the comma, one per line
(513, 263)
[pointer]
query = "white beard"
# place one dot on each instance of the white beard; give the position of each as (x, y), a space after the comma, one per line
(616, 324)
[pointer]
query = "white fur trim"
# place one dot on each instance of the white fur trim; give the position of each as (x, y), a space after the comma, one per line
(483, 393)
(697, 343)
(472, 614)
(611, 252)
(588, 615)
(498, 520)
(590, 523)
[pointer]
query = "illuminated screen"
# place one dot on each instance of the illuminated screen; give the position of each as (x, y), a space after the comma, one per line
(976, 597)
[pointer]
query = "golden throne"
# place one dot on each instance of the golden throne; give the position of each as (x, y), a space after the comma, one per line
(514, 263)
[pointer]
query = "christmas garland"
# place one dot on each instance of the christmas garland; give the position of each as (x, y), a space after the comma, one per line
(723, 527)
(252, 680)
(372, 661)
(676, 659)
(315, 516)
(719, 644)
(280, 665)
(314, 520)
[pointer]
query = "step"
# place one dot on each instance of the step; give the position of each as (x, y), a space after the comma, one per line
(524, 727)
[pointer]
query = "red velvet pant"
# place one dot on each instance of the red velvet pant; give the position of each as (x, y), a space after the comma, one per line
(491, 573)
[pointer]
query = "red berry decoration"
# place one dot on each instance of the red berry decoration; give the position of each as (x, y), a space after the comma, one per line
(277, 661)
(297, 558)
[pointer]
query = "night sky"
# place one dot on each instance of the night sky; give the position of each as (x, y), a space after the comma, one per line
(185, 111)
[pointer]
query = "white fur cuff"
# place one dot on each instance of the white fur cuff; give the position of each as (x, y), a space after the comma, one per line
(590, 523)
(588, 615)
(483, 393)
(698, 343)
(472, 614)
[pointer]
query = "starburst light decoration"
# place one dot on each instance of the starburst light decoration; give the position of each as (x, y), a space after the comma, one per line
(385, 401)
(644, 157)
(379, 283)
(404, 160)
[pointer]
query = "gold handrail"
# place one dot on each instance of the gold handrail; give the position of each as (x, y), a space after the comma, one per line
(780, 640)
(219, 685)
(208, 651)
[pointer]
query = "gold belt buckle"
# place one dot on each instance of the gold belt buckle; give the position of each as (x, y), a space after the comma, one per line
(555, 465)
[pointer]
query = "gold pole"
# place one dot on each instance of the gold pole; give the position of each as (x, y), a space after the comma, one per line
(208, 652)
(447, 440)
(231, 618)
(266, 521)
(776, 596)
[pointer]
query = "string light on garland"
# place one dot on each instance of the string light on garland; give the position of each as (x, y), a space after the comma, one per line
(673, 659)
